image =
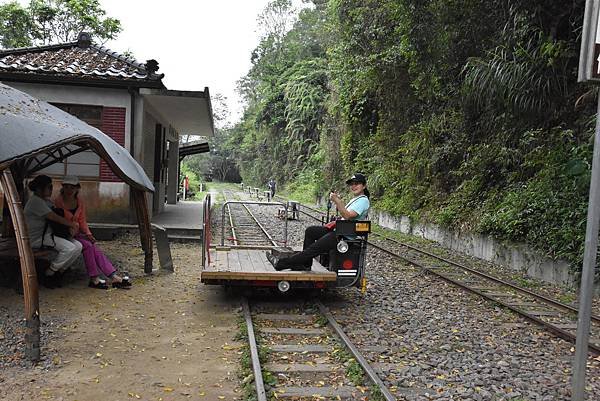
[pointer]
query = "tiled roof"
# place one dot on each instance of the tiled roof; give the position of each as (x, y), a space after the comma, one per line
(75, 61)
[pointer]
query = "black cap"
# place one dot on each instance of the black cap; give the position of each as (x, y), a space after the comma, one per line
(357, 177)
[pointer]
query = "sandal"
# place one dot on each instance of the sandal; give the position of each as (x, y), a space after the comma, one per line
(124, 283)
(101, 285)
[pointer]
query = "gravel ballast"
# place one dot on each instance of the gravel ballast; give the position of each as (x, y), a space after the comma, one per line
(442, 342)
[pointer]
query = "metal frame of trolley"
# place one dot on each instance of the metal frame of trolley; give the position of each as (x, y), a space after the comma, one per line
(247, 265)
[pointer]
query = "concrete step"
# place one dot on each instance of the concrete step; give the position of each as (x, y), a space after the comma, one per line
(284, 317)
(292, 330)
(343, 392)
(184, 238)
(300, 348)
(301, 367)
(182, 231)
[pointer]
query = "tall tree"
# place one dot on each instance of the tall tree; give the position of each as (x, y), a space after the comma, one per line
(52, 21)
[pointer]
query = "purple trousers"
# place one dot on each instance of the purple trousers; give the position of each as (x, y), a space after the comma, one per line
(95, 261)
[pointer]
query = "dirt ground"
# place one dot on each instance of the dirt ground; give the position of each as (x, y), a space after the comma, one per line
(168, 338)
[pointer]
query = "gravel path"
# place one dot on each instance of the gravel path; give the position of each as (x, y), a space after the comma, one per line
(444, 343)
(167, 338)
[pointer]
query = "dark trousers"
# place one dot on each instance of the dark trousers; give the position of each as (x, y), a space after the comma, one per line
(317, 241)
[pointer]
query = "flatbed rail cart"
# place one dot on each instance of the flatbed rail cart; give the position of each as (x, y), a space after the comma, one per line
(247, 265)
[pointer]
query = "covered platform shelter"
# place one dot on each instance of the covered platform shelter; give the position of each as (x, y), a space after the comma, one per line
(34, 135)
(189, 112)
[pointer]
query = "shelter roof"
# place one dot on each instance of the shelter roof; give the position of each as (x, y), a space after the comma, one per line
(37, 134)
(80, 60)
(193, 148)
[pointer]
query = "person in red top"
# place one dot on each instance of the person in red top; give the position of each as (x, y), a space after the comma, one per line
(95, 260)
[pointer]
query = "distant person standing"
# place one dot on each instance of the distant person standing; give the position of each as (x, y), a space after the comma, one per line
(186, 187)
(272, 186)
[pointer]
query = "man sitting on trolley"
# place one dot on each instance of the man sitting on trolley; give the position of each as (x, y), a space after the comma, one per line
(320, 240)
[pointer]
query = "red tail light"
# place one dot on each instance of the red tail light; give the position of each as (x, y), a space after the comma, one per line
(347, 264)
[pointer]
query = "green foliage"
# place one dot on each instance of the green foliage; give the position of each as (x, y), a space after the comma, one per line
(52, 21)
(194, 179)
(15, 26)
(354, 371)
(305, 188)
(453, 122)
(528, 73)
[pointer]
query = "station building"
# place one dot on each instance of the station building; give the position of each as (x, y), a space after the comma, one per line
(126, 100)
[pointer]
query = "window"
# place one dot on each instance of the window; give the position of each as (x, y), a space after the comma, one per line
(85, 164)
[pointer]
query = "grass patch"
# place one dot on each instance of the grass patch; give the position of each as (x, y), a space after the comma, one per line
(321, 321)
(376, 394)
(567, 298)
(354, 371)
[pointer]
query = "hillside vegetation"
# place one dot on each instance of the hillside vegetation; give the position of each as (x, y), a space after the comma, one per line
(464, 113)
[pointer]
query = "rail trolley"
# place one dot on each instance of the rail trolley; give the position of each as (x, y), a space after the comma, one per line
(247, 265)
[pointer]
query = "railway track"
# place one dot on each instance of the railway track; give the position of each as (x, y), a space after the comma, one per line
(242, 225)
(557, 317)
(309, 356)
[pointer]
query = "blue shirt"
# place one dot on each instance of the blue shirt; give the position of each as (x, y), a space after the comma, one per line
(360, 205)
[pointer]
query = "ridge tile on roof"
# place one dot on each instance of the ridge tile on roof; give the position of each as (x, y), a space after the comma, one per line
(72, 60)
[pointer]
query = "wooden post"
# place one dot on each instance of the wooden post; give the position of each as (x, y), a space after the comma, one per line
(30, 284)
(143, 217)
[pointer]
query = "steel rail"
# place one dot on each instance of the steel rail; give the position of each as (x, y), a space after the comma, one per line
(262, 227)
(542, 298)
(508, 284)
(549, 326)
(285, 229)
(558, 304)
(258, 378)
(233, 235)
(339, 331)
(356, 353)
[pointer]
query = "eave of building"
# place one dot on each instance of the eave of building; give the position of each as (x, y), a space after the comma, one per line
(79, 81)
(190, 112)
(193, 149)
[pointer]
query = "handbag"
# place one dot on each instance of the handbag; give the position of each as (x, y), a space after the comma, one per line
(58, 230)
(331, 225)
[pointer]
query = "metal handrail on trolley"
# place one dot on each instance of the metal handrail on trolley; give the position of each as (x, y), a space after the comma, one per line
(206, 205)
(227, 203)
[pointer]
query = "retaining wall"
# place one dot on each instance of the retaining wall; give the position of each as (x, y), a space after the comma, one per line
(515, 256)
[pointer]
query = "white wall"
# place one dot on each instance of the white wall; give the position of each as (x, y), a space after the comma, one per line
(107, 201)
(151, 118)
(81, 95)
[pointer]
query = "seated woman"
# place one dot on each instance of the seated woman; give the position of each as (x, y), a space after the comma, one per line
(95, 260)
(37, 211)
(320, 240)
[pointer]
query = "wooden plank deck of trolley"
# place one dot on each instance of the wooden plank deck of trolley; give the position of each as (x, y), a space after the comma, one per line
(248, 264)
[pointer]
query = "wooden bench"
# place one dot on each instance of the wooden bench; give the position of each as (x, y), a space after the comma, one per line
(9, 258)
